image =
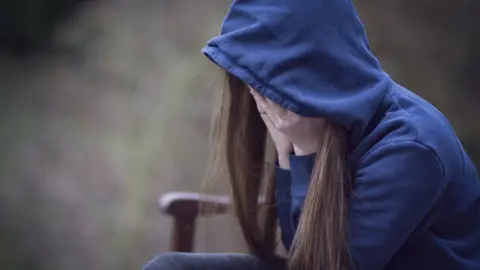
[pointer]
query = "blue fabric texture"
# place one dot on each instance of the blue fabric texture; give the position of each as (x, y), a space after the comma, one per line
(208, 261)
(415, 202)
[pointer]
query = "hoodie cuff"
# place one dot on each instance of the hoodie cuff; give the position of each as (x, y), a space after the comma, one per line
(301, 168)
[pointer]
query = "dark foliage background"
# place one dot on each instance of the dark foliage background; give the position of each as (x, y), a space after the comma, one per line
(27, 25)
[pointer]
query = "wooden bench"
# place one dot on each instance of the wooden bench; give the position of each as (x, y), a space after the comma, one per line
(185, 208)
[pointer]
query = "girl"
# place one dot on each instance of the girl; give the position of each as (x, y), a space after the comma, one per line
(369, 175)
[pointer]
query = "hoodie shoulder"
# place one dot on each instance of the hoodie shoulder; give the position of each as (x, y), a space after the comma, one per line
(408, 117)
(425, 124)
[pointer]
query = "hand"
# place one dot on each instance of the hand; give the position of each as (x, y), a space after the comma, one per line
(303, 132)
(282, 143)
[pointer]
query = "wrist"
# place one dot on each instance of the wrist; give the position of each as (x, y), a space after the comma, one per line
(305, 151)
(284, 160)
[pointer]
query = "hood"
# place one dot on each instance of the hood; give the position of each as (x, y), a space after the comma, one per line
(310, 56)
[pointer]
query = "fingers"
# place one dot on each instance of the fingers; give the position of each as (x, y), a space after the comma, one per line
(268, 122)
(269, 109)
(280, 118)
(259, 98)
(262, 107)
(280, 111)
(261, 102)
(267, 104)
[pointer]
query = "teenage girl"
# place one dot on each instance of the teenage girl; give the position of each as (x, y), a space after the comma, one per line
(368, 176)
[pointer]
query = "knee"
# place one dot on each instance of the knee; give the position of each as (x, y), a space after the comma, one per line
(165, 261)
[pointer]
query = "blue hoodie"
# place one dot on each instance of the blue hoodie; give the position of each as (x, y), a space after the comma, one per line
(415, 203)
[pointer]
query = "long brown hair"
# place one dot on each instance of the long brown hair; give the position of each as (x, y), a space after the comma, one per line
(240, 139)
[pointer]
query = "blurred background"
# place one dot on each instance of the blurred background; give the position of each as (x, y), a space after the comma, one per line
(105, 105)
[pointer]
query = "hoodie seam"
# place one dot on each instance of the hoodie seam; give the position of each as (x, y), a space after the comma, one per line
(415, 141)
(414, 119)
(392, 96)
(393, 99)
(415, 129)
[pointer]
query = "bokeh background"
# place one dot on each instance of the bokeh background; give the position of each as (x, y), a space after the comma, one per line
(105, 105)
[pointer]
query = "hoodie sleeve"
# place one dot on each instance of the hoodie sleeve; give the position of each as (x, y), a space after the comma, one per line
(394, 189)
(282, 198)
(301, 168)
